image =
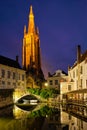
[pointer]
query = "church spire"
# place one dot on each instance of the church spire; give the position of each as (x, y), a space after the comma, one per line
(31, 25)
(31, 59)
(31, 10)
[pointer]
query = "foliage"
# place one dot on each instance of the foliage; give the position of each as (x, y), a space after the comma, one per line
(44, 93)
(42, 112)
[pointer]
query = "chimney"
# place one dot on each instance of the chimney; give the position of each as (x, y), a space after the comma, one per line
(17, 58)
(68, 67)
(78, 53)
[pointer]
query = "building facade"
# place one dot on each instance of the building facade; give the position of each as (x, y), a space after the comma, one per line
(31, 55)
(77, 76)
(12, 76)
(78, 72)
(55, 80)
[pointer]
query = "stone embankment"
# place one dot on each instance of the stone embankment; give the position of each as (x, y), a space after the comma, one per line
(6, 102)
(6, 97)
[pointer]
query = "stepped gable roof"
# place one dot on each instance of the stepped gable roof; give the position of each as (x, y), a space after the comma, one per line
(58, 73)
(9, 62)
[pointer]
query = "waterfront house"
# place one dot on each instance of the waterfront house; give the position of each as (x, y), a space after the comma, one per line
(12, 76)
(78, 75)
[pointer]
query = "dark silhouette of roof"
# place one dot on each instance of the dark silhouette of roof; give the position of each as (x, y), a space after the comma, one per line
(9, 62)
(82, 58)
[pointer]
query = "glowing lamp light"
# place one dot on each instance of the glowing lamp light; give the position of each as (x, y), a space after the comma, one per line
(46, 84)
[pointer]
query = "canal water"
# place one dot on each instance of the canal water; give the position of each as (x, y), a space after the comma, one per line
(43, 117)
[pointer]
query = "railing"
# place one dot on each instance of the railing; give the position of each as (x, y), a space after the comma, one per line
(77, 102)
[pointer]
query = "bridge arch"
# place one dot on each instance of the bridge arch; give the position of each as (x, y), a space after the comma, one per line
(18, 93)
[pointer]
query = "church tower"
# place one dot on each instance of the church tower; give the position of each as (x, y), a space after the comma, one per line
(31, 60)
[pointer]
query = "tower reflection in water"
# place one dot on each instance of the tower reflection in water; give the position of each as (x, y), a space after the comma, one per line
(45, 118)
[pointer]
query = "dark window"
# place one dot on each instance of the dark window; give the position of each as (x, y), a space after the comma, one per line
(69, 87)
(73, 74)
(8, 74)
(70, 117)
(19, 83)
(76, 72)
(77, 83)
(14, 75)
(3, 73)
(58, 74)
(81, 124)
(14, 84)
(56, 118)
(3, 82)
(86, 83)
(19, 76)
(9, 83)
(81, 82)
(81, 70)
(56, 82)
(22, 84)
(51, 118)
(51, 82)
(22, 77)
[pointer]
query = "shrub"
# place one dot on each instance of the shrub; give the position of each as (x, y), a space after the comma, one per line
(44, 93)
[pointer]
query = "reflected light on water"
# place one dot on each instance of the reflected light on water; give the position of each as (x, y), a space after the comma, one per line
(19, 113)
(42, 117)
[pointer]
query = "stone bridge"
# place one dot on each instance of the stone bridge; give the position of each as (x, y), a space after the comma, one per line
(19, 94)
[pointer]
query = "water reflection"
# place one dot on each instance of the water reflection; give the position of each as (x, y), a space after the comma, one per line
(43, 117)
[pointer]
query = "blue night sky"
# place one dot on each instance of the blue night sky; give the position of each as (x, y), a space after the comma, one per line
(62, 25)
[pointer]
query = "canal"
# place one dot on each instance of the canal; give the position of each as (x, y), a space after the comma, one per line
(43, 117)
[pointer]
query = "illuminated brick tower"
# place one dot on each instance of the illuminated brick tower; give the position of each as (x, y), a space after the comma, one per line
(31, 60)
